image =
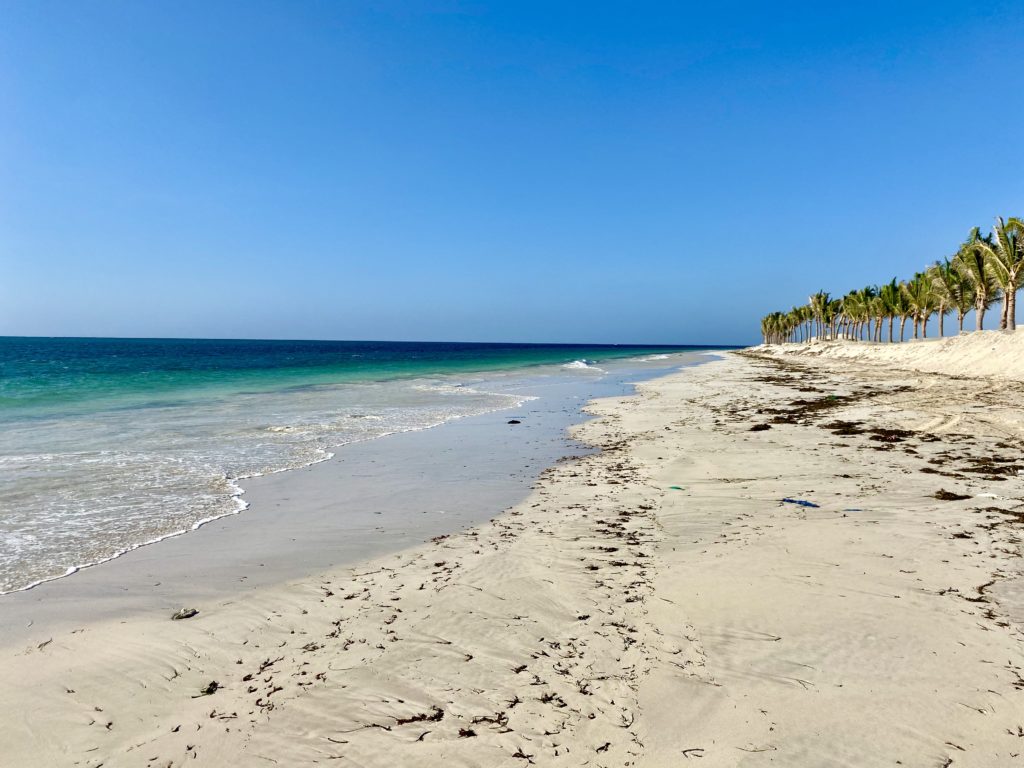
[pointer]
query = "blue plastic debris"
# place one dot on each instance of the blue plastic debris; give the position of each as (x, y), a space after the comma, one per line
(801, 502)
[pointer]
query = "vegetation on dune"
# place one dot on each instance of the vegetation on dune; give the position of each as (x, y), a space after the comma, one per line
(981, 272)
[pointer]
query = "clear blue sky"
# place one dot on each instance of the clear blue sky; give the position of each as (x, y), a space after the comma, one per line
(518, 171)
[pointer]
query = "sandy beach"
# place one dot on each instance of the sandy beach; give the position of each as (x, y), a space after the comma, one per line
(460, 385)
(796, 557)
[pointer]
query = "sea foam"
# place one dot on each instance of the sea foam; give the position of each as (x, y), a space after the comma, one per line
(583, 365)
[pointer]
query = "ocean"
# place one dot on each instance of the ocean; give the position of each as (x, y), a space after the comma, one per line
(110, 444)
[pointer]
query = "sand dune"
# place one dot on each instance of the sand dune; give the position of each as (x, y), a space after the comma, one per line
(656, 604)
(998, 354)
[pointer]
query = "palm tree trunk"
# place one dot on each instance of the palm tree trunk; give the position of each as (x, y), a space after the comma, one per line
(1006, 309)
(1011, 313)
(942, 315)
(903, 324)
(891, 319)
(924, 327)
(979, 315)
(960, 320)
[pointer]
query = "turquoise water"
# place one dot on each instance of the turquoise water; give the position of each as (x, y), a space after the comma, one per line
(51, 376)
(109, 444)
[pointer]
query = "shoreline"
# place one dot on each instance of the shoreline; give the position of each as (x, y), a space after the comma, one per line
(111, 464)
(358, 501)
(660, 600)
(236, 485)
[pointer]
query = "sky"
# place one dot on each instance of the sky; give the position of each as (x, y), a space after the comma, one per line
(521, 171)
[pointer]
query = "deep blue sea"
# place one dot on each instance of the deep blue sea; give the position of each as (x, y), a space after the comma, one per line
(109, 444)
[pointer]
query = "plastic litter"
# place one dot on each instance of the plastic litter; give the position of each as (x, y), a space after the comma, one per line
(801, 503)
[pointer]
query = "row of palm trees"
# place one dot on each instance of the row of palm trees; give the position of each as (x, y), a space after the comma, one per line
(981, 272)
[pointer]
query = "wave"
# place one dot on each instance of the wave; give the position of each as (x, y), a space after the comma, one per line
(457, 388)
(240, 506)
(318, 438)
(583, 365)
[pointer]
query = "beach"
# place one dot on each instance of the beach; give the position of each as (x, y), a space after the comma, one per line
(778, 557)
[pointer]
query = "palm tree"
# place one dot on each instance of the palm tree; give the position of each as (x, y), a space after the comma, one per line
(851, 312)
(878, 313)
(867, 297)
(954, 290)
(775, 328)
(860, 306)
(782, 328)
(789, 324)
(889, 295)
(921, 293)
(946, 284)
(963, 300)
(831, 314)
(797, 319)
(804, 317)
(1005, 256)
(972, 265)
(903, 308)
(819, 306)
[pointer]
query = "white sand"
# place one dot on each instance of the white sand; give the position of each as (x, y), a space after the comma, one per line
(998, 354)
(610, 619)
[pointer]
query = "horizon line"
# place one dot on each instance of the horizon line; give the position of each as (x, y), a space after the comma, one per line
(379, 341)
